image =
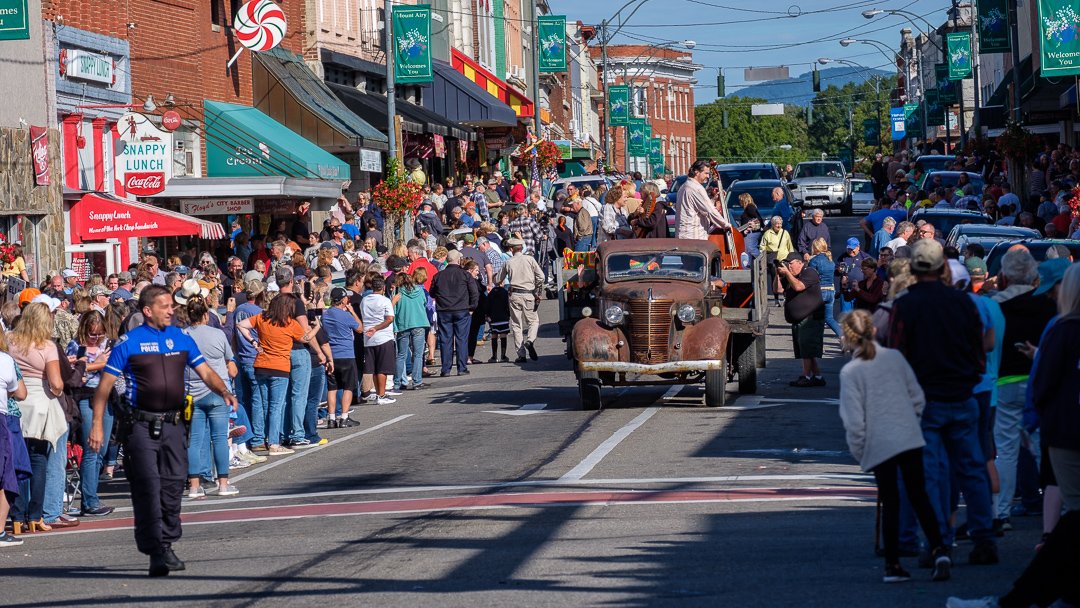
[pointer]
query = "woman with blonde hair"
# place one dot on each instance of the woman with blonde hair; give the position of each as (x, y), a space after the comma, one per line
(880, 405)
(821, 261)
(12, 445)
(43, 422)
(776, 245)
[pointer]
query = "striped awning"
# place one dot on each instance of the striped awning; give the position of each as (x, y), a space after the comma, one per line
(522, 105)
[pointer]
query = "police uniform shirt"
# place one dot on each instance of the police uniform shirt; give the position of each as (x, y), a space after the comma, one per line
(152, 363)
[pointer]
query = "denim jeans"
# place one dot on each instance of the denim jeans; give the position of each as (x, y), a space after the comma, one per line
(951, 431)
(1008, 433)
(209, 423)
(415, 340)
(55, 481)
(30, 502)
(454, 333)
(828, 296)
(244, 384)
(586, 243)
(269, 409)
(242, 419)
(92, 462)
(316, 393)
(299, 380)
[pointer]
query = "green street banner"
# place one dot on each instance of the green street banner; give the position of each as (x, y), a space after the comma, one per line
(551, 31)
(656, 151)
(912, 120)
(619, 104)
(14, 20)
(993, 26)
(1059, 41)
(412, 43)
(958, 46)
(635, 133)
(946, 88)
(871, 128)
(648, 131)
(935, 111)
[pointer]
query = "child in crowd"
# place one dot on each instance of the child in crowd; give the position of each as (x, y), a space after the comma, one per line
(498, 318)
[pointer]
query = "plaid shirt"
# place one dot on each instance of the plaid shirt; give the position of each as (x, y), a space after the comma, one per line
(481, 205)
(497, 263)
(529, 231)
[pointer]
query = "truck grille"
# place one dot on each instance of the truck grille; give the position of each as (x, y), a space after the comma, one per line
(650, 326)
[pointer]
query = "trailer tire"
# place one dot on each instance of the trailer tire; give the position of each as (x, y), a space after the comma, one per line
(746, 367)
(589, 391)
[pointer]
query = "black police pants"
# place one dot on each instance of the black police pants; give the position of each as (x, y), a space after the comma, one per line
(157, 471)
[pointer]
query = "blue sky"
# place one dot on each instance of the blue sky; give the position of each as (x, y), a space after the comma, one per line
(816, 31)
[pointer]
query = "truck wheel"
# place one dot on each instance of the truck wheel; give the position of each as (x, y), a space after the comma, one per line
(746, 366)
(760, 352)
(589, 390)
(716, 386)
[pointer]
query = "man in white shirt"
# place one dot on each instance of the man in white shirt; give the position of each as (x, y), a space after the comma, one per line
(904, 232)
(380, 350)
(695, 213)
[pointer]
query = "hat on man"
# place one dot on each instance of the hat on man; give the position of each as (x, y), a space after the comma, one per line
(497, 174)
(976, 267)
(493, 182)
(189, 289)
(27, 295)
(794, 256)
(469, 238)
(124, 278)
(338, 294)
(254, 287)
(181, 269)
(960, 275)
(99, 290)
(49, 301)
(252, 275)
(927, 255)
(1051, 272)
(396, 263)
(853, 243)
(514, 242)
(70, 274)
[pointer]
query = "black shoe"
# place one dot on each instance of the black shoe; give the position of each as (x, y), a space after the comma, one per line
(532, 351)
(444, 374)
(942, 565)
(1001, 526)
(99, 511)
(174, 563)
(406, 387)
(895, 573)
(419, 387)
(505, 359)
(347, 423)
(520, 360)
(817, 381)
(464, 372)
(493, 360)
(801, 382)
(984, 554)
(880, 552)
(159, 566)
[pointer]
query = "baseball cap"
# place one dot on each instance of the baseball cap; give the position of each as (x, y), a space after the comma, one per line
(99, 290)
(793, 256)
(395, 263)
(853, 243)
(497, 174)
(27, 295)
(470, 238)
(50, 301)
(976, 267)
(1051, 272)
(254, 287)
(181, 269)
(69, 273)
(252, 275)
(960, 275)
(124, 277)
(327, 245)
(927, 255)
(338, 294)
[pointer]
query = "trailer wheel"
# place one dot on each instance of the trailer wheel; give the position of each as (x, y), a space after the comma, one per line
(716, 385)
(746, 366)
(589, 390)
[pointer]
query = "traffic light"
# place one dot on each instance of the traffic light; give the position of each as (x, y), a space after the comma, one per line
(720, 84)
(817, 79)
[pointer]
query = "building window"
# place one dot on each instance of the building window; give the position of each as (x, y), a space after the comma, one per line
(485, 25)
(641, 106)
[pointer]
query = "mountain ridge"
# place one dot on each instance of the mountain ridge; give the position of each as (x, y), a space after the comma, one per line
(798, 90)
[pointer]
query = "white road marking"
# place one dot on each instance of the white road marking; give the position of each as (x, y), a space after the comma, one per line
(525, 410)
(593, 459)
(757, 402)
(672, 392)
(270, 465)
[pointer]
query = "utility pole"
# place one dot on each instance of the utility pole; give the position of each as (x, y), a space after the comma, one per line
(535, 25)
(630, 116)
(1015, 61)
(603, 85)
(391, 108)
(974, 17)
(956, 27)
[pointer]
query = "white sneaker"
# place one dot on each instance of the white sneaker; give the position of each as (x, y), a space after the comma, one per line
(228, 490)
(252, 457)
(982, 602)
(385, 400)
(371, 396)
(239, 463)
(393, 393)
(196, 493)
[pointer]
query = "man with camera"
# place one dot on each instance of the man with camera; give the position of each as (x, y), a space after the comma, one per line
(805, 310)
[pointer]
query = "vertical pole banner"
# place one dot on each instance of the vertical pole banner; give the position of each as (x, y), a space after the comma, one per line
(551, 31)
(946, 87)
(636, 137)
(619, 102)
(993, 27)
(1059, 38)
(958, 46)
(412, 43)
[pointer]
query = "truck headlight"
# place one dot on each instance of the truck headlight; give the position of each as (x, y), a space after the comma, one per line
(614, 314)
(687, 314)
(838, 187)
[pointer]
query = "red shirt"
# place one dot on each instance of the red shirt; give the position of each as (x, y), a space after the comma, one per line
(517, 193)
(426, 265)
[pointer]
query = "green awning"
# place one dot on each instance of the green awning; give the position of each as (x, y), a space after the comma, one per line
(243, 142)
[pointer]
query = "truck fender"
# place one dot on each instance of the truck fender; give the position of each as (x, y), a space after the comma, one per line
(594, 342)
(705, 340)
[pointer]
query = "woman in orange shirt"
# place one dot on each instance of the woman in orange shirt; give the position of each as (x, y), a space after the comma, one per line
(277, 330)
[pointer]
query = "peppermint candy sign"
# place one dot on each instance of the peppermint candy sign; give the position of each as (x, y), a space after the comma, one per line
(144, 162)
(260, 25)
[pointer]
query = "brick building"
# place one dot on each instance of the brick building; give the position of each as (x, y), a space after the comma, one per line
(662, 90)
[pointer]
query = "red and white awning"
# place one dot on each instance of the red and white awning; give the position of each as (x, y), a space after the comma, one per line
(99, 215)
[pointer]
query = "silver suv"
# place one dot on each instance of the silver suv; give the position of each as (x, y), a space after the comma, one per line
(822, 183)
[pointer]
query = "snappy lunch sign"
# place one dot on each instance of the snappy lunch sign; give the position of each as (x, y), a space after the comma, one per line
(144, 165)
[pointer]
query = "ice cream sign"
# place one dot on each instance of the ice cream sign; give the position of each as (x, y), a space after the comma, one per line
(144, 158)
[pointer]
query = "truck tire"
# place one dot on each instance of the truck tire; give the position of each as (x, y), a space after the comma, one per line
(760, 352)
(589, 390)
(716, 386)
(746, 366)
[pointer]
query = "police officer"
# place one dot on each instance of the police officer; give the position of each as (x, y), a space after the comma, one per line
(526, 281)
(152, 359)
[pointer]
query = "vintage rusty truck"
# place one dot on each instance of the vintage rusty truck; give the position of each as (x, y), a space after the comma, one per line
(665, 311)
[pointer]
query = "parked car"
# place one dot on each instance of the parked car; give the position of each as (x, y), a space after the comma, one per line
(951, 178)
(862, 196)
(733, 172)
(945, 219)
(935, 162)
(582, 180)
(1037, 247)
(761, 191)
(822, 184)
(986, 235)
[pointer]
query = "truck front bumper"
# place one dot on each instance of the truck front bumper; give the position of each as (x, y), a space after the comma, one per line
(653, 369)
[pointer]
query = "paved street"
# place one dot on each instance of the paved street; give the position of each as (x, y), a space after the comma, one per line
(498, 490)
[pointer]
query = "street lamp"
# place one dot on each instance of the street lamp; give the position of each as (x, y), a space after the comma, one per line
(918, 68)
(877, 97)
(761, 157)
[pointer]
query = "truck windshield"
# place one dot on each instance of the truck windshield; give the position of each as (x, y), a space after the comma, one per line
(805, 170)
(681, 266)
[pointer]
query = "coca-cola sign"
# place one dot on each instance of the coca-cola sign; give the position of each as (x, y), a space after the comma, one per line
(171, 120)
(39, 152)
(144, 164)
(144, 183)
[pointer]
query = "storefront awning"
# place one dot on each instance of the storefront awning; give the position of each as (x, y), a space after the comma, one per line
(460, 100)
(415, 119)
(468, 67)
(241, 141)
(267, 186)
(98, 216)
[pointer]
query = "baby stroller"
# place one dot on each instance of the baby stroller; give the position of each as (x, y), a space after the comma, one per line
(73, 479)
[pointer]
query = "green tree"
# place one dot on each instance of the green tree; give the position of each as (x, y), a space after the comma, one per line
(838, 115)
(748, 138)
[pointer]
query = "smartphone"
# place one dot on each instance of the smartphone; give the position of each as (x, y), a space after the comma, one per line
(79, 354)
(314, 313)
(1019, 345)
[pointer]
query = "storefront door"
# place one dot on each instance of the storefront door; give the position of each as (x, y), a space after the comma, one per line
(94, 258)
